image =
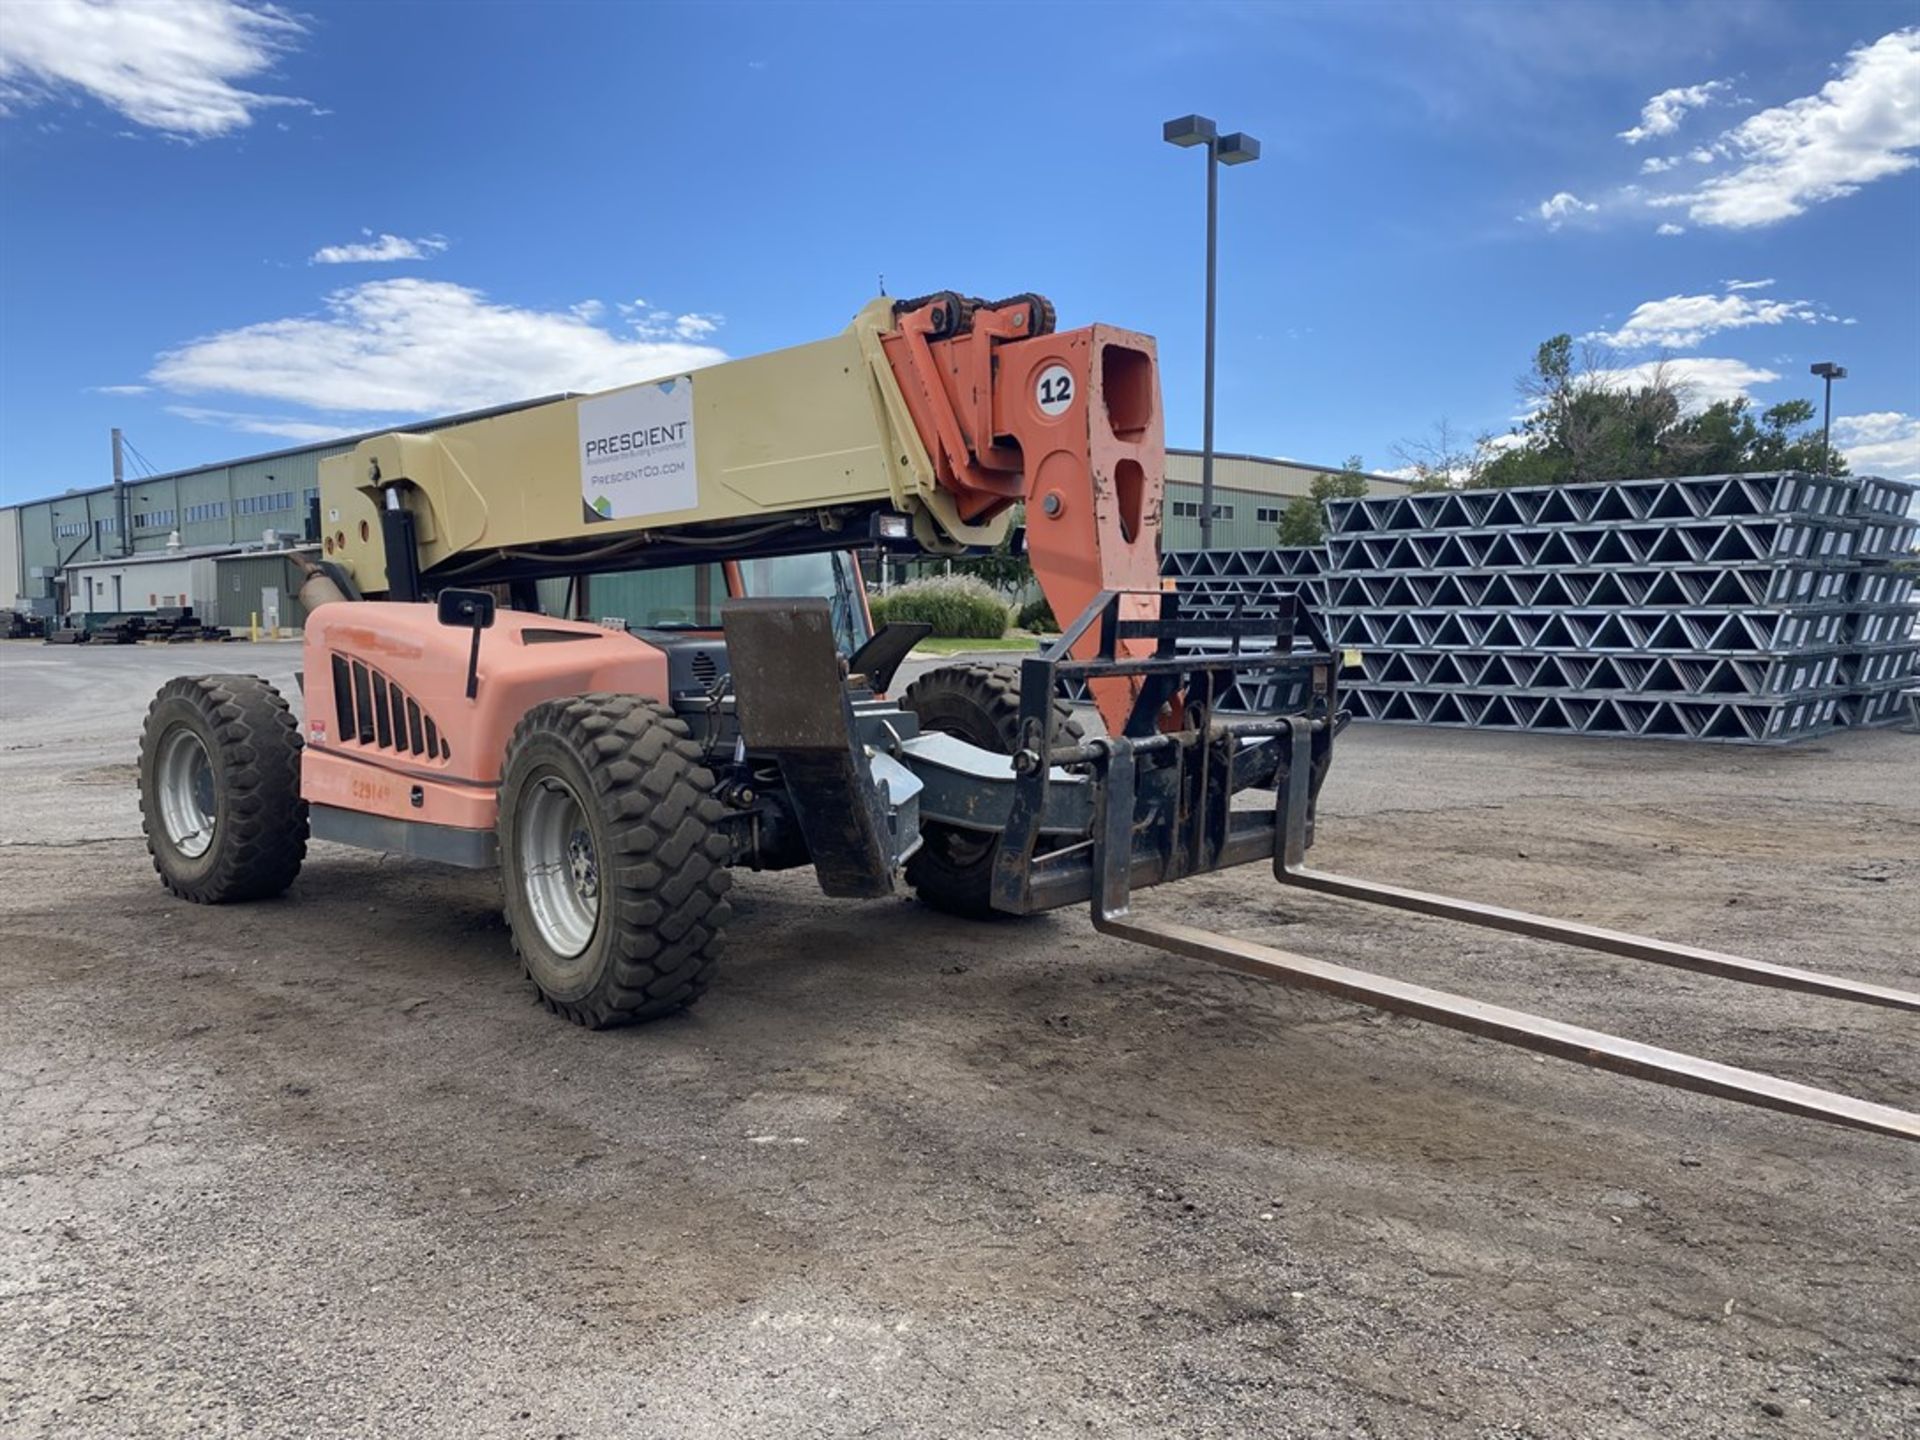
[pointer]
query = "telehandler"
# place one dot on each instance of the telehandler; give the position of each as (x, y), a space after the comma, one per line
(462, 706)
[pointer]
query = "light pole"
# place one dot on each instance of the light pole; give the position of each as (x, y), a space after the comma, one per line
(1234, 149)
(1829, 372)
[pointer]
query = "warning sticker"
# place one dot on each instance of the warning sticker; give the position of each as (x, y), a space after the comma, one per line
(636, 451)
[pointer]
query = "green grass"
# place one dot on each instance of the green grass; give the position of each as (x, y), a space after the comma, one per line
(953, 645)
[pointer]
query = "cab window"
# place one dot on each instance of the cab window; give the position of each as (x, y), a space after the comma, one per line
(687, 597)
(677, 597)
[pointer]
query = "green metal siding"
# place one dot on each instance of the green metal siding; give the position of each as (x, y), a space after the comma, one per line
(224, 485)
(1244, 485)
(1240, 530)
(240, 580)
(1247, 483)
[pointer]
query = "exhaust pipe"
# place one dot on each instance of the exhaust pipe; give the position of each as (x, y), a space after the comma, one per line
(319, 588)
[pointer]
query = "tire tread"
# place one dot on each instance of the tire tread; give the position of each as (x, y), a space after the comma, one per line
(668, 866)
(256, 753)
(992, 690)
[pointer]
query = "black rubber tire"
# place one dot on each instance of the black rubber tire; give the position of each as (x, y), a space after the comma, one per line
(252, 743)
(649, 806)
(979, 703)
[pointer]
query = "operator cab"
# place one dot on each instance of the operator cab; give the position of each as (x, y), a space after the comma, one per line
(677, 608)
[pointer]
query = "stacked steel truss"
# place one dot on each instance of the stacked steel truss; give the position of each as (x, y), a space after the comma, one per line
(1883, 645)
(1748, 607)
(1230, 584)
(1219, 584)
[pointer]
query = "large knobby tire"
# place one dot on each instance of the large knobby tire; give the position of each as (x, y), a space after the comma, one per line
(612, 859)
(220, 789)
(979, 703)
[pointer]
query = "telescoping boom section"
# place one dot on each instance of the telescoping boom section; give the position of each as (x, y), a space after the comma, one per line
(462, 705)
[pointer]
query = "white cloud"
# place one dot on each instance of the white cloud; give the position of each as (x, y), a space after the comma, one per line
(1656, 164)
(1748, 284)
(1701, 380)
(412, 346)
(1561, 207)
(1883, 442)
(1662, 114)
(1667, 227)
(120, 389)
(651, 323)
(378, 249)
(1861, 127)
(1680, 322)
(172, 68)
(283, 426)
(1875, 426)
(697, 327)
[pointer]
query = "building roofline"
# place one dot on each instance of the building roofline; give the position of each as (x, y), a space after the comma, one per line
(156, 557)
(438, 423)
(509, 408)
(1293, 465)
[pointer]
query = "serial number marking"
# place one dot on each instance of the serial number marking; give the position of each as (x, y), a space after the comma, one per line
(374, 790)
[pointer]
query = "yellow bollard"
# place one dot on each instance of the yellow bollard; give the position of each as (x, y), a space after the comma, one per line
(253, 626)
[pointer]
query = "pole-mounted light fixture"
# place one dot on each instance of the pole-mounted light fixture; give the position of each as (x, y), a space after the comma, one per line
(1234, 149)
(1829, 372)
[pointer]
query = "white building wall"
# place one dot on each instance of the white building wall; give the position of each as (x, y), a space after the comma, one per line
(12, 578)
(141, 587)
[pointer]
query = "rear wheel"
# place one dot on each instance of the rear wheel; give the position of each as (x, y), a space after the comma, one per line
(612, 859)
(220, 789)
(979, 703)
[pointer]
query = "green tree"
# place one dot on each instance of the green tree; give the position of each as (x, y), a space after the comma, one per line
(1584, 423)
(1303, 522)
(1300, 522)
(1443, 459)
(1349, 482)
(1000, 567)
(1728, 438)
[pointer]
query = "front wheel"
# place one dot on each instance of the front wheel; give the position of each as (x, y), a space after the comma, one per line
(612, 859)
(979, 703)
(220, 789)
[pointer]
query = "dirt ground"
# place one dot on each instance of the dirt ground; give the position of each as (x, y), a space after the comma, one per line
(320, 1166)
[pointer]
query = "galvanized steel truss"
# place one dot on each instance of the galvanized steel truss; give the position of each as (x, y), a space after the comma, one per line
(1753, 608)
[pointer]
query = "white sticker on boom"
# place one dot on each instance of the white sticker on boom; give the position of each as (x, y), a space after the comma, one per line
(636, 451)
(1053, 391)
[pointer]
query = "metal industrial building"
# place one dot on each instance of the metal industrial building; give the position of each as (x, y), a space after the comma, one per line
(210, 508)
(65, 553)
(1249, 492)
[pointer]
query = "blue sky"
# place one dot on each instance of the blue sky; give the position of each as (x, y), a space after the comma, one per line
(227, 227)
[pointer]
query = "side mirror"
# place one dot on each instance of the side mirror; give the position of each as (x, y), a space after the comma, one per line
(464, 609)
(467, 609)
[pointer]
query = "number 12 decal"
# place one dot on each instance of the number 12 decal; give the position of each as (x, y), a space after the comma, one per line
(1053, 391)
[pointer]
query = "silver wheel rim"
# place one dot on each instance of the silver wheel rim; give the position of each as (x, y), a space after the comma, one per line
(559, 866)
(188, 811)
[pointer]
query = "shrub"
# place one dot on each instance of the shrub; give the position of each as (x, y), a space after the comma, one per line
(956, 606)
(1037, 615)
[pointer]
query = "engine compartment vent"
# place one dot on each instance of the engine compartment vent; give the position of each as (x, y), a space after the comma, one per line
(372, 710)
